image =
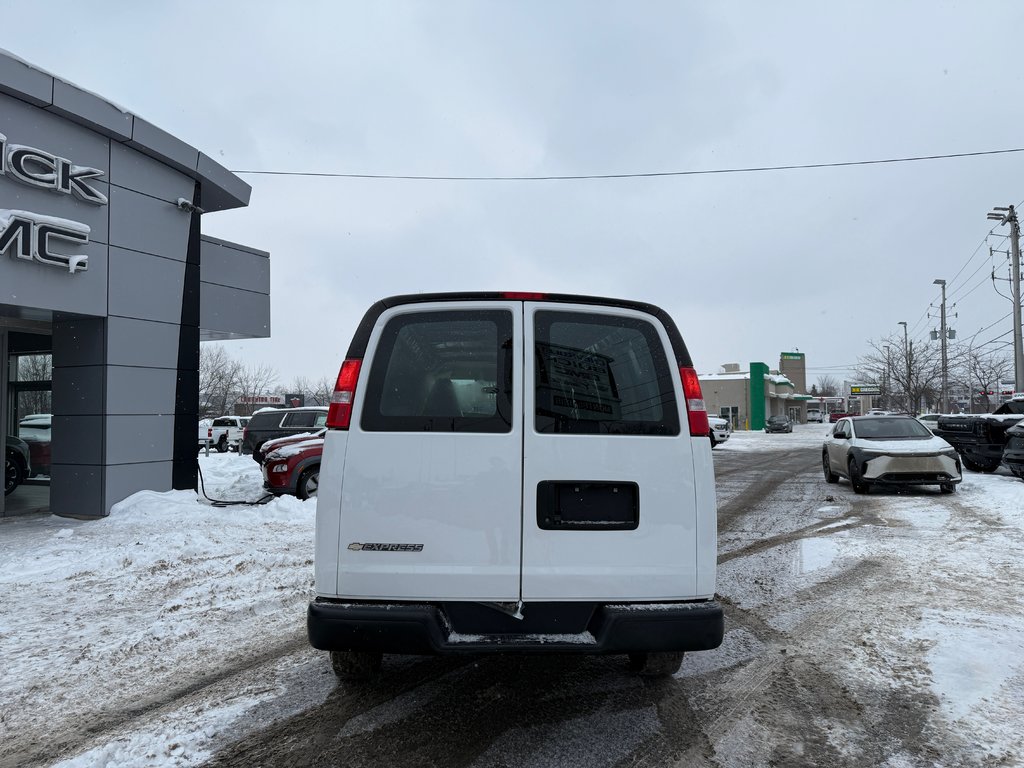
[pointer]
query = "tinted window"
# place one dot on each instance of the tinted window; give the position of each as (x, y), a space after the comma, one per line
(266, 420)
(223, 422)
(891, 429)
(599, 374)
(303, 419)
(442, 371)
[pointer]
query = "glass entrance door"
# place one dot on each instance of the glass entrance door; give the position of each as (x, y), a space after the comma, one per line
(27, 405)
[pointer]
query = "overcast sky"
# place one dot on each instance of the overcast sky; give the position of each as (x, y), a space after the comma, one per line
(749, 265)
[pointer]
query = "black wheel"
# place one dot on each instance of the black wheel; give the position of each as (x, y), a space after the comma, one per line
(979, 466)
(13, 473)
(355, 666)
(308, 483)
(656, 663)
(860, 485)
(222, 444)
(947, 487)
(826, 466)
(713, 441)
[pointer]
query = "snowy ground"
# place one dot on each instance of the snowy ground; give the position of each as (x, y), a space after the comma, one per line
(101, 619)
(951, 594)
(109, 629)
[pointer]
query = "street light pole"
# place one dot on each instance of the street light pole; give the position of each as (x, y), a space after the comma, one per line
(943, 405)
(887, 380)
(906, 354)
(1009, 216)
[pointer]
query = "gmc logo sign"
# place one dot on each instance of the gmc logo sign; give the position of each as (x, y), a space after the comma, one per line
(47, 171)
(29, 236)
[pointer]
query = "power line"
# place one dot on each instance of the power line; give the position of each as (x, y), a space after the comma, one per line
(648, 175)
(982, 330)
(997, 338)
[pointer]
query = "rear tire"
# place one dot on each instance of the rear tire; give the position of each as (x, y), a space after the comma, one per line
(826, 466)
(13, 473)
(222, 444)
(979, 466)
(308, 483)
(656, 663)
(356, 666)
(860, 485)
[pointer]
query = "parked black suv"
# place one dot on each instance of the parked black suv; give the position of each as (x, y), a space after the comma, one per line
(980, 438)
(270, 423)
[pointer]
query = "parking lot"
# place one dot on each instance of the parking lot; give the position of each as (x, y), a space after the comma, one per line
(884, 629)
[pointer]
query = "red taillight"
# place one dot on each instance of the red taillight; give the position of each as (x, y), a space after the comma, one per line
(340, 412)
(524, 295)
(209, 432)
(694, 403)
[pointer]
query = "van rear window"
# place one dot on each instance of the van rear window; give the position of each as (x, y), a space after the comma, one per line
(599, 374)
(442, 371)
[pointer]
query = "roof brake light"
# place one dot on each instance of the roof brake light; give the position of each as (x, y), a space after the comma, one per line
(523, 295)
(339, 414)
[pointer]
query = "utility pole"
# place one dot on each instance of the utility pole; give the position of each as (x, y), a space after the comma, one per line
(907, 351)
(1009, 216)
(943, 404)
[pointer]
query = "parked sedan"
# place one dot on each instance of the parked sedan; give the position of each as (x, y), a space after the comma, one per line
(888, 450)
(779, 424)
(291, 465)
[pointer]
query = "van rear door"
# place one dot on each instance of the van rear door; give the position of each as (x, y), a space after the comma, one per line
(430, 504)
(609, 497)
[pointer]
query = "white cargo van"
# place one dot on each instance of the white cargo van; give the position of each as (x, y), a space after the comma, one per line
(515, 472)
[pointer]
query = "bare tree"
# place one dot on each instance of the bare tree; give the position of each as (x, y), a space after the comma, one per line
(33, 368)
(219, 380)
(322, 391)
(256, 379)
(981, 373)
(827, 386)
(907, 375)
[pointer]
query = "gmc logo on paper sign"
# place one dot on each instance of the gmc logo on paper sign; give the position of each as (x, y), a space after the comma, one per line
(29, 236)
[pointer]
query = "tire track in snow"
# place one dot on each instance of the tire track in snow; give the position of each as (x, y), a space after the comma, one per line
(74, 738)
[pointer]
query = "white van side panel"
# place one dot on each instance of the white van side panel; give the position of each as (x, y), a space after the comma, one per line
(328, 514)
(658, 560)
(707, 518)
(456, 494)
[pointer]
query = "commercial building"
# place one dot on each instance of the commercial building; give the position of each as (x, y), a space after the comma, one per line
(107, 286)
(749, 397)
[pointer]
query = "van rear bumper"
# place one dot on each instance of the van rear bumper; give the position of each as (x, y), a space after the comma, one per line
(428, 628)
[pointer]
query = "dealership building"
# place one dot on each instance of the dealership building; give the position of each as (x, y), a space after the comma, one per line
(748, 398)
(107, 287)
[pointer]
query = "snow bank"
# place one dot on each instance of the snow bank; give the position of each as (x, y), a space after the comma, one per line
(99, 617)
